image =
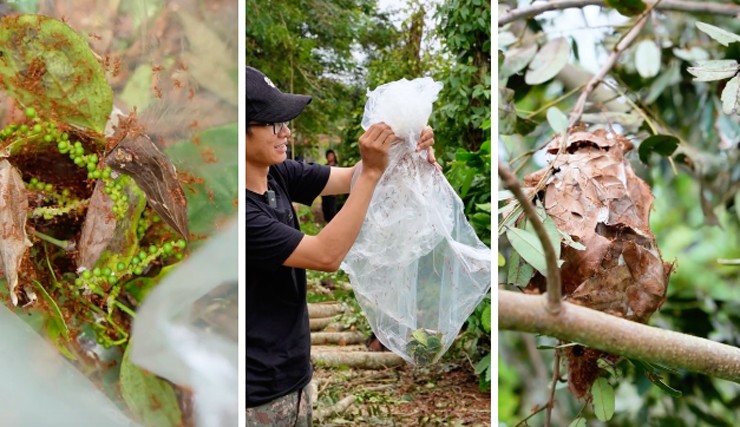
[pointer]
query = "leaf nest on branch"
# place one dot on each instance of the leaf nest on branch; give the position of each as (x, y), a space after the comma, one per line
(594, 196)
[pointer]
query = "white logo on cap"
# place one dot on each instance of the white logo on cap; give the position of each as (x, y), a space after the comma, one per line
(269, 82)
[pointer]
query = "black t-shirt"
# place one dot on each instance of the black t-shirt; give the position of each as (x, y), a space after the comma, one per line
(278, 337)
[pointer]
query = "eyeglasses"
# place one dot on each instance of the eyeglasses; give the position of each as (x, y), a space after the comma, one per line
(276, 127)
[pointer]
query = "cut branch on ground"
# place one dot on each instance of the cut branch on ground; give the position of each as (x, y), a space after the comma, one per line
(360, 360)
(317, 310)
(337, 338)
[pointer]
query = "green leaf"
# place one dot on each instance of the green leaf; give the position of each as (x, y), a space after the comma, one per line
(557, 119)
(652, 374)
(516, 60)
(47, 65)
(502, 260)
(730, 96)
(605, 365)
(529, 247)
(56, 326)
(485, 319)
(550, 228)
(519, 271)
(692, 54)
(213, 199)
(485, 207)
(665, 80)
(568, 240)
(603, 399)
(627, 7)
(483, 365)
(506, 38)
(507, 118)
(718, 69)
(151, 399)
(664, 145)
(724, 37)
(548, 62)
(647, 59)
(138, 92)
(578, 422)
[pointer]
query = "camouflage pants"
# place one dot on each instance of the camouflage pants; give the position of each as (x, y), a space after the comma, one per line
(293, 410)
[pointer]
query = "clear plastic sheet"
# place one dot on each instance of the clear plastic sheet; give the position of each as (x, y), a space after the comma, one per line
(186, 330)
(417, 268)
(41, 388)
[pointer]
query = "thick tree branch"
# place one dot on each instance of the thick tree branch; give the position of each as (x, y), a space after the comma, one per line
(529, 313)
(673, 5)
(553, 272)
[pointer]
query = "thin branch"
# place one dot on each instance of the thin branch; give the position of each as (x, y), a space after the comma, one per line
(627, 40)
(672, 5)
(529, 313)
(535, 412)
(553, 272)
(555, 378)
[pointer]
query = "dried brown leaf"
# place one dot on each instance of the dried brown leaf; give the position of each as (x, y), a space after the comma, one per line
(98, 229)
(138, 157)
(13, 239)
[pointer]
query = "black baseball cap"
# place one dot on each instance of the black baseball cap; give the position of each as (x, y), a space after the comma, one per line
(265, 102)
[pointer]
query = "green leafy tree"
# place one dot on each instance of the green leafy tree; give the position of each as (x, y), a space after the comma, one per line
(665, 78)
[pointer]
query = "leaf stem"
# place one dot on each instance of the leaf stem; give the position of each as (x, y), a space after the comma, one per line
(64, 244)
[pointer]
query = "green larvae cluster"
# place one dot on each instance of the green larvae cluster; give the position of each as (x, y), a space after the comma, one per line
(39, 130)
(148, 218)
(64, 200)
(96, 279)
(37, 185)
(49, 212)
(112, 187)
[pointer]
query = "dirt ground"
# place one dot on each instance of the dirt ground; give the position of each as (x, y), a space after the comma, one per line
(440, 395)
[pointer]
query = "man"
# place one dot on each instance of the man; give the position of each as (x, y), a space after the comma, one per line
(278, 338)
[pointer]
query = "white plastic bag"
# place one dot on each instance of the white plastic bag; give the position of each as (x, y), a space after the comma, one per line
(417, 268)
(186, 329)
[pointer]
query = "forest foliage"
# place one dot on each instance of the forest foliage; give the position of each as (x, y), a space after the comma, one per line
(672, 93)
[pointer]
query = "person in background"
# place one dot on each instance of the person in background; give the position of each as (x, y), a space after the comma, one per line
(329, 203)
(278, 340)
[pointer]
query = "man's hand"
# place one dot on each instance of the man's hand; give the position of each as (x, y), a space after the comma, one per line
(374, 146)
(426, 141)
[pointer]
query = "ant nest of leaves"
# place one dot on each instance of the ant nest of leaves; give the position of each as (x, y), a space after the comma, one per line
(594, 195)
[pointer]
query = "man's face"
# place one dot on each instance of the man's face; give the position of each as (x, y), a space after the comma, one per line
(267, 144)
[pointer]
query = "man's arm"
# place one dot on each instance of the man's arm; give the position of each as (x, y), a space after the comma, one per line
(326, 250)
(339, 181)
